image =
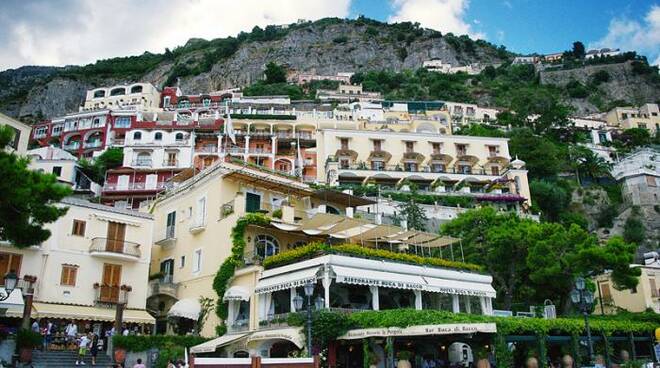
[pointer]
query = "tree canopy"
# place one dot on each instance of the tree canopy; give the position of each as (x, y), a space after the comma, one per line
(27, 198)
(532, 261)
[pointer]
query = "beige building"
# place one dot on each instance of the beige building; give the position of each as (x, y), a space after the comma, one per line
(21, 133)
(95, 257)
(137, 96)
(646, 117)
(446, 165)
(639, 299)
(62, 164)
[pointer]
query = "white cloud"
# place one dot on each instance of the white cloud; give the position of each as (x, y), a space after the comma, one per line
(632, 35)
(443, 15)
(39, 32)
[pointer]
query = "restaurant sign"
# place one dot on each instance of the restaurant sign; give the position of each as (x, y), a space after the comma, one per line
(423, 330)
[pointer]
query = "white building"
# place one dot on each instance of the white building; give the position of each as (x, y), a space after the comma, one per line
(436, 65)
(640, 174)
(21, 133)
(158, 149)
(95, 257)
(462, 113)
(137, 96)
(56, 161)
(604, 52)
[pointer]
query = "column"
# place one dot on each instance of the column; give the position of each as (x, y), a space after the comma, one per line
(484, 305)
(375, 299)
(468, 306)
(247, 146)
(418, 299)
(327, 281)
(455, 305)
(231, 313)
(273, 143)
(293, 295)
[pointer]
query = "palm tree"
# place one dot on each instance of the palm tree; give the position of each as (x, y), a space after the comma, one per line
(589, 163)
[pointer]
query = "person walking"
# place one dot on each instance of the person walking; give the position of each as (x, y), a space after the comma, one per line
(82, 349)
(71, 332)
(48, 333)
(94, 348)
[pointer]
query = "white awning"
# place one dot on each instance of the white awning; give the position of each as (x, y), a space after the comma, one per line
(13, 305)
(356, 276)
(293, 334)
(286, 281)
(186, 308)
(459, 287)
(421, 330)
(236, 293)
(82, 312)
(218, 342)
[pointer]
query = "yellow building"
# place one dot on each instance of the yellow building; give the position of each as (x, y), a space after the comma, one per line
(137, 96)
(639, 299)
(646, 117)
(443, 164)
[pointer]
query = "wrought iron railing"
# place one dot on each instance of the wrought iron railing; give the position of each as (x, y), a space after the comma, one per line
(115, 246)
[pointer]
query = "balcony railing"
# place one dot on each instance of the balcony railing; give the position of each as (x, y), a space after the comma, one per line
(143, 162)
(206, 149)
(239, 325)
(92, 144)
(116, 187)
(418, 169)
(170, 163)
(71, 146)
(107, 294)
(115, 246)
(260, 151)
(163, 285)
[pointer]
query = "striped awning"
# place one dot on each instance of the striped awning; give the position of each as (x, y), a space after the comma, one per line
(88, 313)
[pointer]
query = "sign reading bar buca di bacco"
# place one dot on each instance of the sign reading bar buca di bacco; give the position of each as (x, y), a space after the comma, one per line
(424, 330)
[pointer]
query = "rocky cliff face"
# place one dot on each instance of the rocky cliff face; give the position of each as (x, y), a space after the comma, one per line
(623, 85)
(320, 48)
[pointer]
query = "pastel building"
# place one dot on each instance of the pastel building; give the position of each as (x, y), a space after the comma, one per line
(646, 117)
(137, 96)
(21, 133)
(64, 166)
(95, 257)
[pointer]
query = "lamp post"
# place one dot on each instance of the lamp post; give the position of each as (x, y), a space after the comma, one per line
(11, 281)
(121, 304)
(584, 300)
(318, 303)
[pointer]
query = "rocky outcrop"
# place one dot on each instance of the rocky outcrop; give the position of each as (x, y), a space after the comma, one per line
(623, 85)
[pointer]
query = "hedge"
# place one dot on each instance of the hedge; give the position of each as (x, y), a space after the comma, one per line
(144, 343)
(228, 267)
(314, 249)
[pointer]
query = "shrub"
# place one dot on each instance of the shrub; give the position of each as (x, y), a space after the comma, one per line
(28, 339)
(340, 39)
(602, 76)
(144, 343)
(633, 230)
(606, 216)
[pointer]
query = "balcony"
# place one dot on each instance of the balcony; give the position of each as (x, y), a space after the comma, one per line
(92, 144)
(115, 249)
(163, 286)
(170, 163)
(260, 151)
(107, 294)
(142, 186)
(141, 162)
(239, 325)
(71, 146)
(170, 238)
(197, 226)
(207, 149)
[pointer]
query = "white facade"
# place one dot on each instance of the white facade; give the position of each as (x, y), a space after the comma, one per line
(92, 251)
(462, 113)
(56, 161)
(137, 96)
(158, 149)
(605, 52)
(640, 175)
(21, 133)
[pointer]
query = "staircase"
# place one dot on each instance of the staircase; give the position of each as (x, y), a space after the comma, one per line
(67, 358)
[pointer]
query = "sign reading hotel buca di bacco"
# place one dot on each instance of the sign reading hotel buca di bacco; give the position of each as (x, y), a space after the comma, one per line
(423, 330)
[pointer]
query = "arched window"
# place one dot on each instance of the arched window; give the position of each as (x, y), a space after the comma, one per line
(137, 136)
(266, 246)
(118, 91)
(178, 136)
(99, 93)
(136, 89)
(332, 210)
(158, 136)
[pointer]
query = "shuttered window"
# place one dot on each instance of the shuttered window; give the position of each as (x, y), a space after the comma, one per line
(9, 262)
(605, 292)
(69, 273)
(78, 228)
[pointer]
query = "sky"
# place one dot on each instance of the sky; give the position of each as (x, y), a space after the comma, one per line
(65, 32)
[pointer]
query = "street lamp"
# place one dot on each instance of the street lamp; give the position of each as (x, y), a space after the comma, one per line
(11, 280)
(584, 300)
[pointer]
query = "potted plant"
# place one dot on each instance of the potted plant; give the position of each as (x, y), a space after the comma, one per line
(404, 359)
(27, 340)
(119, 351)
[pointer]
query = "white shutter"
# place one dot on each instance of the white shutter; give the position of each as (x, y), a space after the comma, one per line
(122, 182)
(152, 181)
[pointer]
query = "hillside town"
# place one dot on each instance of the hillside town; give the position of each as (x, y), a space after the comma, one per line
(470, 208)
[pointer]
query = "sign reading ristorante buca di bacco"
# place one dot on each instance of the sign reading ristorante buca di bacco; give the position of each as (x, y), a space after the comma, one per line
(422, 330)
(380, 283)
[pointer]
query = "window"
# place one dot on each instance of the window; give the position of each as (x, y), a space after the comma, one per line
(464, 169)
(171, 159)
(118, 92)
(197, 261)
(495, 170)
(206, 102)
(654, 289)
(136, 89)
(109, 289)
(410, 166)
(99, 94)
(170, 225)
(9, 262)
(123, 122)
(436, 147)
(377, 165)
(252, 202)
(650, 181)
(266, 246)
(40, 131)
(437, 168)
(378, 145)
(57, 170)
(116, 235)
(178, 136)
(641, 125)
(343, 163)
(158, 136)
(68, 277)
(410, 147)
(605, 292)
(137, 136)
(461, 149)
(200, 218)
(78, 228)
(344, 143)
(166, 101)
